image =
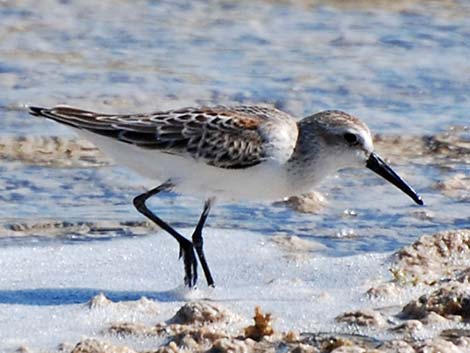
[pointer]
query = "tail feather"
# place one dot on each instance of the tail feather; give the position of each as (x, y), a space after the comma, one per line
(101, 124)
(36, 111)
(78, 118)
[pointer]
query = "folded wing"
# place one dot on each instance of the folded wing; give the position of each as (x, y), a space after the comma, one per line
(235, 137)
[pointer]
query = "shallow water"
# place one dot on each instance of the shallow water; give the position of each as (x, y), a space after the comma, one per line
(401, 66)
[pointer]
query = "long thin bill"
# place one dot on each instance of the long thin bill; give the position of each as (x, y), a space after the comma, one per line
(377, 165)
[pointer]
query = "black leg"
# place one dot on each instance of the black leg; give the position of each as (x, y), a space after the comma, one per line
(198, 242)
(186, 247)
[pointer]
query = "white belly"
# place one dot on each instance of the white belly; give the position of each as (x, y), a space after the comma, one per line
(264, 182)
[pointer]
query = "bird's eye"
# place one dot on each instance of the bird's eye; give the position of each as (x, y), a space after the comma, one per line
(351, 138)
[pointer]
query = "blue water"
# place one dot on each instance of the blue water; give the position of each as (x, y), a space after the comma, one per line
(403, 68)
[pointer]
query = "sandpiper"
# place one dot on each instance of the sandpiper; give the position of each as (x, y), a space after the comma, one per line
(236, 153)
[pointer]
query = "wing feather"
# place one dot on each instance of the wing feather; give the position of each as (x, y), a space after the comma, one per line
(235, 137)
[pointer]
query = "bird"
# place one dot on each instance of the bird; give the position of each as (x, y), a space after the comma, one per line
(233, 153)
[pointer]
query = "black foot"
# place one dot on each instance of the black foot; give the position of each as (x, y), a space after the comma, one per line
(186, 247)
(190, 263)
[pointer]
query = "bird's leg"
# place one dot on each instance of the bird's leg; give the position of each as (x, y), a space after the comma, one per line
(186, 247)
(198, 242)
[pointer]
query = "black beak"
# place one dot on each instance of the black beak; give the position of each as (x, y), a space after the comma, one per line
(376, 164)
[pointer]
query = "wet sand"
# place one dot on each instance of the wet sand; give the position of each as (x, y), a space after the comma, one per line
(433, 272)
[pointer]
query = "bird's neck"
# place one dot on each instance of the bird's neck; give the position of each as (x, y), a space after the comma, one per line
(308, 164)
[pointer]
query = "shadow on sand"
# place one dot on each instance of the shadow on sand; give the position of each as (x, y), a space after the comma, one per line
(67, 296)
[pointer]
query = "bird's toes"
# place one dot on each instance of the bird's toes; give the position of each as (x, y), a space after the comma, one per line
(190, 265)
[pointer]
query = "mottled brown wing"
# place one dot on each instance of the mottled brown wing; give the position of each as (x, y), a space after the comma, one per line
(225, 138)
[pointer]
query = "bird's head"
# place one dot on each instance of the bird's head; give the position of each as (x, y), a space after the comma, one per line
(344, 141)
